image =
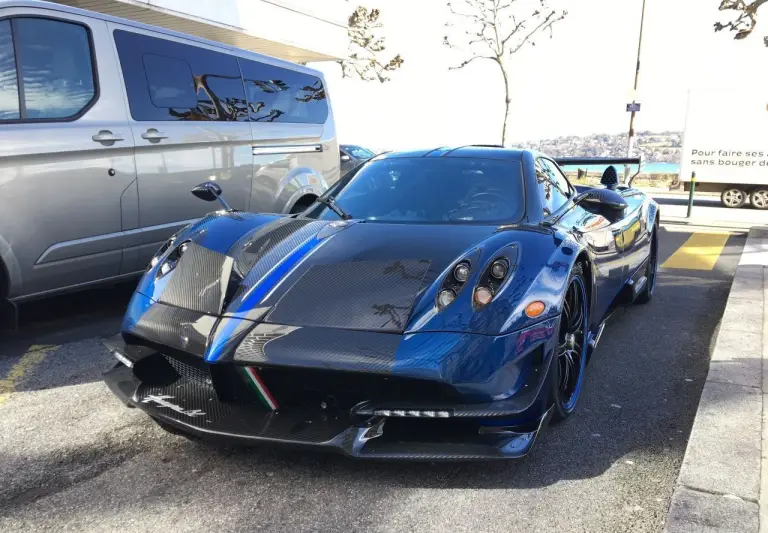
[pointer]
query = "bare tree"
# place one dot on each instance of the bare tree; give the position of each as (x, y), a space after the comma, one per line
(746, 17)
(365, 47)
(498, 29)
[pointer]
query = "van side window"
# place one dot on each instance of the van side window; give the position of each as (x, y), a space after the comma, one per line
(170, 82)
(9, 86)
(278, 94)
(54, 78)
(167, 80)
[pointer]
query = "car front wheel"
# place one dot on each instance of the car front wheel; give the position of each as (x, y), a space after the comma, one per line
(733, 198)
(571, 353)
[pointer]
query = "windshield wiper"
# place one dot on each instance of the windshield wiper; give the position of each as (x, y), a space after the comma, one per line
(330, 201)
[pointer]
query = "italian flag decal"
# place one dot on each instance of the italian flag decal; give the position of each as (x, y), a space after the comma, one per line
(253, 379)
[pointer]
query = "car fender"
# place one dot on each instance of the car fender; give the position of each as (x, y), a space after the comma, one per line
(12, 268)
(545, 279)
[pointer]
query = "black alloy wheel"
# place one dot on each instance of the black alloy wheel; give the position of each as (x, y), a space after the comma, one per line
(571, 351)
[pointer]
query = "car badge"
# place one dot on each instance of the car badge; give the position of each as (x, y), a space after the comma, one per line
(162, 401)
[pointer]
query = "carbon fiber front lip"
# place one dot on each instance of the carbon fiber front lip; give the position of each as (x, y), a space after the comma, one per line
(197, 413)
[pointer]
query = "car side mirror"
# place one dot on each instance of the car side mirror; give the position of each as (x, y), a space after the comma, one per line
(211, 192)
(345, 158)
(605, 198)
(207, 191)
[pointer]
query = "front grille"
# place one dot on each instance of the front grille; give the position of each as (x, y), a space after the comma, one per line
(292, 386)
(192, 369)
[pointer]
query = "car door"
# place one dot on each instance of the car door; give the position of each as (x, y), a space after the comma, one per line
(67, 172)
(189, 122)
(601, 232)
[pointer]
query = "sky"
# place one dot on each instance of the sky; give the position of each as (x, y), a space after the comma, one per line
(577, 83)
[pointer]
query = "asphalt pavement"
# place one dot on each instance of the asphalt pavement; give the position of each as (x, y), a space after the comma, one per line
(72, 457)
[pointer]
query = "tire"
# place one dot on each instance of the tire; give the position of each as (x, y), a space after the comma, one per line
(733, 198)
(571, 344)
(651, 272)
(759, 198)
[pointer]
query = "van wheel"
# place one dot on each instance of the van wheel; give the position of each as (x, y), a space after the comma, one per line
(759, 198)
(733, 198)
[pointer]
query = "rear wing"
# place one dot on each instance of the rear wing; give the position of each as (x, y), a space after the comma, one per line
(603, 161)
(598, 161)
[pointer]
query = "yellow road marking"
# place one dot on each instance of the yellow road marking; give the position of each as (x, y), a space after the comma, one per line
(700, 252)
(34, 356)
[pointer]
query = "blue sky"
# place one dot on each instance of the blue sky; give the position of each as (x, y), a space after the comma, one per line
(576, 83)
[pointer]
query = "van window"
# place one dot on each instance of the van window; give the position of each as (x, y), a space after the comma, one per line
(170, 81)
(278, 94)
(9, 87)
(167, 80)
(54, 62)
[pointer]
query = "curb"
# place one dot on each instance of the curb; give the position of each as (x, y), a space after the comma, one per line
(720, 484)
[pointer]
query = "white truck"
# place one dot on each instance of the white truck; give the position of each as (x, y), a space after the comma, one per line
(726, 144)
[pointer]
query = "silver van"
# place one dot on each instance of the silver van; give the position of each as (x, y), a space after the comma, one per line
(106, 124)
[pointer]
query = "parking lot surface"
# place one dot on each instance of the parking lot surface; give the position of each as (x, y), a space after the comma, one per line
(72, 457)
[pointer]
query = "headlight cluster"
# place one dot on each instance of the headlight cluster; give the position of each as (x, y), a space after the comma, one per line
(486, 288)
(161, 252)
(172, 259)
(453, 283)
(491, 281)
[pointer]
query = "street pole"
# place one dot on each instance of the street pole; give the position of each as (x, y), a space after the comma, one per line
(690, 196)
(631, 137)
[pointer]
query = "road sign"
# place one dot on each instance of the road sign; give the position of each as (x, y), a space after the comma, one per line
(633, 107)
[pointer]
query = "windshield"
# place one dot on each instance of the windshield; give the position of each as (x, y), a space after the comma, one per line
(358, 152)
(433, 190)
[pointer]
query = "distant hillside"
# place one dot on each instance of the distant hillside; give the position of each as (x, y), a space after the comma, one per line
(663, 147)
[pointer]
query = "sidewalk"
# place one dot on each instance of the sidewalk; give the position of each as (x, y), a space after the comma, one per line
(720, 487)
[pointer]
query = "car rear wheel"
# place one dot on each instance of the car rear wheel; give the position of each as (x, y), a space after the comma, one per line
(759, 198)
(733, 198)
(571, 353)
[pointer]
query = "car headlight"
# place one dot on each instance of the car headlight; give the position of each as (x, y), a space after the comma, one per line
(161, 252)
(453, 283)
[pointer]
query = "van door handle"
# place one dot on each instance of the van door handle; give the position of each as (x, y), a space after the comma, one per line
(154, 136)
(107, 138)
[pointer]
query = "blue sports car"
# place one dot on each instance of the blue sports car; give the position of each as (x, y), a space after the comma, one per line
(439, 304)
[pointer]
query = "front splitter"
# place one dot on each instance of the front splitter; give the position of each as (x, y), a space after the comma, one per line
(194, 408)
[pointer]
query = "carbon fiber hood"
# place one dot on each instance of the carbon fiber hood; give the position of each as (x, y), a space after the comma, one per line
(368, 276)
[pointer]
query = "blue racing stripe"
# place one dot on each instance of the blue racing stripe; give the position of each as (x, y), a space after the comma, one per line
(258, 292)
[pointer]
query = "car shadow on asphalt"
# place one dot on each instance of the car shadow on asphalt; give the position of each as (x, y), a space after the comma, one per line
(68, 318)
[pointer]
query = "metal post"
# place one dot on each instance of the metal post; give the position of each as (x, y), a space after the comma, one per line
(690, 196)
(631, 137)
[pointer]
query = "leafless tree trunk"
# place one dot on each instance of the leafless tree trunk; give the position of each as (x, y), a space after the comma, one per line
(498, 29)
